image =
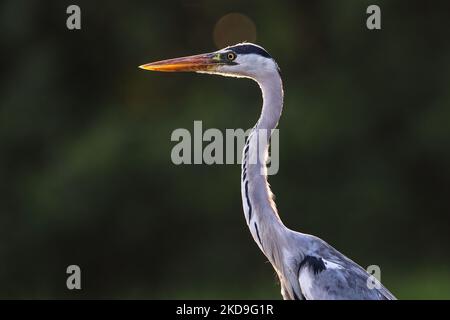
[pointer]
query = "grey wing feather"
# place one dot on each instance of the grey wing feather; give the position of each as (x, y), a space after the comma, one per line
(331, 275)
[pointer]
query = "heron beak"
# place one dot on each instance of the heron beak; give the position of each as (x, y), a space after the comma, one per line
(201, 62)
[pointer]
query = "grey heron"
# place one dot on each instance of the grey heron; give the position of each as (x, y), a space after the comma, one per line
(307, 267)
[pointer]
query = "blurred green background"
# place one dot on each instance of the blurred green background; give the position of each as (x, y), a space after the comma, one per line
(85, 170)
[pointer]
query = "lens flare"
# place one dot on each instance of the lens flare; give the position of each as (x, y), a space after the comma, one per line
(233, 28)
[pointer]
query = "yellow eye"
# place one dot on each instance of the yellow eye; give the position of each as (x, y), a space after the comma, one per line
(231, 56)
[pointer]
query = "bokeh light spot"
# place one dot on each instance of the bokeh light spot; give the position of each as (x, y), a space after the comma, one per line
(233, 28)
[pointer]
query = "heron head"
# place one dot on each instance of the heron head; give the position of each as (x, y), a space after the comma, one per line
(241, 60)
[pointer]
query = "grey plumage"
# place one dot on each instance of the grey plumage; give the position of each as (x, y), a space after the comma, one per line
(308, 267)
(336, 278)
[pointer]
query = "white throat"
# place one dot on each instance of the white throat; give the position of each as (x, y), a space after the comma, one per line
(259, 208)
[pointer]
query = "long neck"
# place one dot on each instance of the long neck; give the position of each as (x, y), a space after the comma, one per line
(259, 209)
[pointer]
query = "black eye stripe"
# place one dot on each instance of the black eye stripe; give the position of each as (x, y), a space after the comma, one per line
(248, 48)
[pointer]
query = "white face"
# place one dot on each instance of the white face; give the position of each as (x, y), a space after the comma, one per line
(251, 65)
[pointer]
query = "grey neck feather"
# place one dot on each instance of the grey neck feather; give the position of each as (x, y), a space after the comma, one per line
(260, 211)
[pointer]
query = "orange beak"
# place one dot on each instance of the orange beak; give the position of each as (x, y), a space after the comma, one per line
(201, 62)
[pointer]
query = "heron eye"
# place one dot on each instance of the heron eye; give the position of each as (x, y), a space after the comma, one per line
(231, 56)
